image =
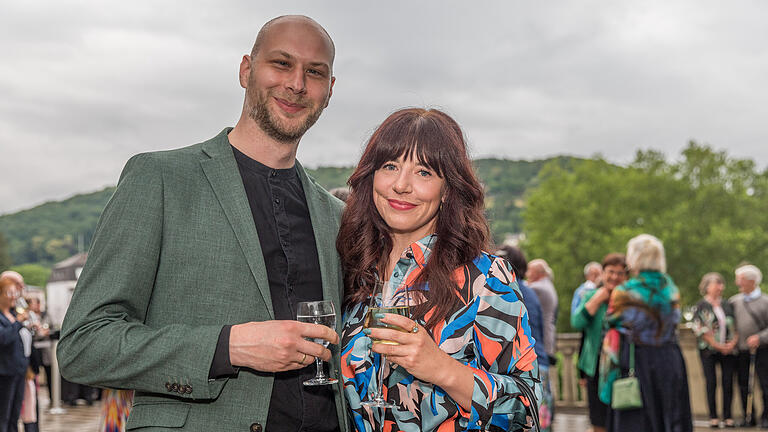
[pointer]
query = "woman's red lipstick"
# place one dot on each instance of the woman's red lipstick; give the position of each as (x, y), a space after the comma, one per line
(400, 205)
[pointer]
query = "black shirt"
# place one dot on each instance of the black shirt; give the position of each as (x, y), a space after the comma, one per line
(287, 240)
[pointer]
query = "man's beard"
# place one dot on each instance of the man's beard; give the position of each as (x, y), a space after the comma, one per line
(274, 127)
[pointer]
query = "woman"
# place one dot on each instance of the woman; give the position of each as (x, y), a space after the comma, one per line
(415, 215)
(645, 311)
(13, 362)
(715, 328)
(588, 317)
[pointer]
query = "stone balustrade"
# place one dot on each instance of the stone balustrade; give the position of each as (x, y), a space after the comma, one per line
(568, 393)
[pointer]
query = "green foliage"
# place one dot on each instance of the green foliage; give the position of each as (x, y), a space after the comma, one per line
(5, 257)
(55, 230)
(708, 209)
(505, 183)
(331, 177)
(34, 274)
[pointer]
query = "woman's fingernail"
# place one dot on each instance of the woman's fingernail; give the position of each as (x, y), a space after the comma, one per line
(367, 331)
(378, 315)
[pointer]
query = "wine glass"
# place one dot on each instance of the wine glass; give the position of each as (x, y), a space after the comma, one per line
(387, 297)
(318, 312)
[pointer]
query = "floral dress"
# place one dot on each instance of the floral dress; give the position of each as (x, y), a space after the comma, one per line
(488, 332)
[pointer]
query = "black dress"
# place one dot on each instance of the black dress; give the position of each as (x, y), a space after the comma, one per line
(664, 388)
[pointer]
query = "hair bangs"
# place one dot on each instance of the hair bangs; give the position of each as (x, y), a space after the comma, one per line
(412, 137)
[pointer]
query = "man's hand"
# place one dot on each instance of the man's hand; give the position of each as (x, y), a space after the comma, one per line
(276, 346)
(753, 342)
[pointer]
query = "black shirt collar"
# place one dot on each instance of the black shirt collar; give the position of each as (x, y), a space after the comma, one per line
(259, 168)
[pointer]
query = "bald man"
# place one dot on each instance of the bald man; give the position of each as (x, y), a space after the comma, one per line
(190, 290)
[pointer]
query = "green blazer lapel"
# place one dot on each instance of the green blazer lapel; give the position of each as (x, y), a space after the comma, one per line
(224, 176)
(325, 224)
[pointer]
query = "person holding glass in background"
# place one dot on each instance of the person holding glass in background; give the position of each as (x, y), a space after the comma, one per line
(714, 327)
(415, 217)
(588, 317)
(13, 361)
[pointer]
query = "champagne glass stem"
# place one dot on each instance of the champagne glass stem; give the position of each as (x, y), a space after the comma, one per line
(380, 389)
(320, 374)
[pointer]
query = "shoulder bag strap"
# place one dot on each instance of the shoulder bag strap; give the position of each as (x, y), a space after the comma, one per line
(760, 323)
(631, 359)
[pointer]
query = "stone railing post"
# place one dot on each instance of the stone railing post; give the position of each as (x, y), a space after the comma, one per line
(566, 393)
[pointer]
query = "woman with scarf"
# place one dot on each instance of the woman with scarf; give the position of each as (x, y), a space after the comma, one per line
(642, 319)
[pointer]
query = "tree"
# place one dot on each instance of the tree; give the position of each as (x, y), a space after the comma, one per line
(33, 274)
(5, 257)
(708, 209)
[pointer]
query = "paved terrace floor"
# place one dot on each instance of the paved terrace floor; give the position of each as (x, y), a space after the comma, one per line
(86, 419)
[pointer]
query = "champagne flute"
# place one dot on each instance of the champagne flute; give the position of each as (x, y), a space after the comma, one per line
(318, 312)
(387, 297)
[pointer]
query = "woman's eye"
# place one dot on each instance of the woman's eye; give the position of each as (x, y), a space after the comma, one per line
(425, 173)
(389, 166)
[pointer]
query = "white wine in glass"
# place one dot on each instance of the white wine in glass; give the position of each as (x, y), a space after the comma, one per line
(387, 297)
(372, 322)
(323, 313)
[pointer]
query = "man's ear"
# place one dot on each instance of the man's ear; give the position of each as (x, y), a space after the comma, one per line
(330, 92)
(245, 71)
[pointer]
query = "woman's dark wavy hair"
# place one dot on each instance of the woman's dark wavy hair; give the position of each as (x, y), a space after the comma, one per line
(364, 242)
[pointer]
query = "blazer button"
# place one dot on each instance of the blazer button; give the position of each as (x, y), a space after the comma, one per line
(168, 386)
(256, 427)
(175, 387)
(187, 389)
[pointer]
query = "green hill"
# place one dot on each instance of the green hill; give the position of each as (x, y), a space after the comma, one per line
(56, 230)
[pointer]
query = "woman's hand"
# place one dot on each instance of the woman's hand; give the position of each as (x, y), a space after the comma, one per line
(418, 353)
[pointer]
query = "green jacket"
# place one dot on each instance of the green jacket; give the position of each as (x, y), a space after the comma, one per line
(175, 257)
(593, 333)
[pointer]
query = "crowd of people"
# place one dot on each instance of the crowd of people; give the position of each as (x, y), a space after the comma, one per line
(25, 352)
(187, 303)
(629, 314)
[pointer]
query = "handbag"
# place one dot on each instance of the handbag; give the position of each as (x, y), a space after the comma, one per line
(626, 391)
(532, 409)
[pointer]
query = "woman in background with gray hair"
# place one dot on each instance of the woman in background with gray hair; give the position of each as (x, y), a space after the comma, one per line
(642, 320)
(715, 328)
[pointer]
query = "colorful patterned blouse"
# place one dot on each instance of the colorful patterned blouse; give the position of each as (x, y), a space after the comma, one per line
(489, 332)
(705, 320)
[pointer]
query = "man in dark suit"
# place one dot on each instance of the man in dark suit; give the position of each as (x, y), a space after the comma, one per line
(189, 292)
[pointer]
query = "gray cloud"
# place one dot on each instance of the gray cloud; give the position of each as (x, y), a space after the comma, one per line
(86, 84)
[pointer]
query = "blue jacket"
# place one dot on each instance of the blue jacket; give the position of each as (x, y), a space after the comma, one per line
(535, 321)
(12, 360)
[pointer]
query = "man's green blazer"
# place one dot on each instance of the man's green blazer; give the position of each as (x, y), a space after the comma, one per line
(175, 257)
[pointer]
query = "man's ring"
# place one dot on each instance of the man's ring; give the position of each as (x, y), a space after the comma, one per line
(303, 358)
(415, 329)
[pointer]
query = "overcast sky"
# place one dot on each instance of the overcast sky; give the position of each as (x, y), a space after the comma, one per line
(86, 84)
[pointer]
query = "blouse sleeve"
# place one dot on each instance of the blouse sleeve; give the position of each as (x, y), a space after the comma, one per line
(702, 321)
(503, 347)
